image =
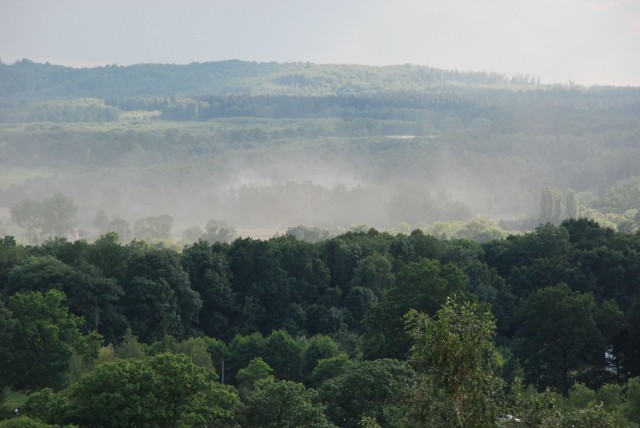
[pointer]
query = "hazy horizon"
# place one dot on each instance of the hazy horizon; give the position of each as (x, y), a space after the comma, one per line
(588, 42)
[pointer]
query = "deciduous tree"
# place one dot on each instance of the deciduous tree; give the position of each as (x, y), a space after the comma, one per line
(283, 404)
(456, 359)
(557, 338)
(44, 335)
(166, 390)
(28, 215)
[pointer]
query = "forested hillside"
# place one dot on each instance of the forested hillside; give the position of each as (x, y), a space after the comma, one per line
(265, 147)
(286, 245)
(26, 79)
(540, 327)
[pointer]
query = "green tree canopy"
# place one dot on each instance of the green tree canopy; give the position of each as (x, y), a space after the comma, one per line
(210, 276)
(378, 388)
(422, 286)
(242, 349)
(557, 338)
(283, 404)
(165, 390)
(257, 370)
(43, 337)
(284, 354)
(158, 297)
(375, 273)
(457, 361)
(319, 347)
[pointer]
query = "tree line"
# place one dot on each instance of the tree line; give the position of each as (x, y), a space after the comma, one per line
(26, 79)
(385, 320)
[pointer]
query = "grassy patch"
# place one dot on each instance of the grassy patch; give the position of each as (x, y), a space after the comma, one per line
(12, 399)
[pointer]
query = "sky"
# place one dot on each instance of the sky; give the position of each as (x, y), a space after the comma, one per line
(587, 42)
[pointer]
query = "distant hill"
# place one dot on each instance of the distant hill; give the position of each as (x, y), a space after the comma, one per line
(28, 80)
(271, 145)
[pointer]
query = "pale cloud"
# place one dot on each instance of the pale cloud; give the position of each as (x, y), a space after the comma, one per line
(606, 5)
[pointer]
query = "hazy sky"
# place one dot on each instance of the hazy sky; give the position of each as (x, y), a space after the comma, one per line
(587, 41)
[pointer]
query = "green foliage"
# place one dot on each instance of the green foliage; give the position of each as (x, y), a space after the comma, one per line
(11, 255)
(23, 422)
(303, 288)
(591, 417)
(580, 396)
(375, 273)
(77, 367)
(610, 395)
(359, 301)
(329, 368)
(7, 326)
(257, 370)
(284, 354)
(422, 286)
(456, 359)
(378, 389)
(109, 256)
(242, 349)
(165, 345)
(318, 348)
(40, 274)
(478, 229)
(95, 297)
(89, 293)
(631, 407)
(106, 354)
(165, 390)
(159, 298)
(258, 295)
(282, 404)
(210, 277)
(557, 338)
(196, 349)
(530, 407)
(368, 422)
(46, 405)
(43, 337)
(219, 352)
(130, 347)
(631, 350)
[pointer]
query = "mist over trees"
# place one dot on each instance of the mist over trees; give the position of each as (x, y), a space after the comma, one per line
(270, 245)
(264, 147)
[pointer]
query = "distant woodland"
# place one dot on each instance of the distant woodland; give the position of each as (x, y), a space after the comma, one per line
(297, 245)
(265, 147)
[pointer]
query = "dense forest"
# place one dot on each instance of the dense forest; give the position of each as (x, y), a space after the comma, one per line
(299, 245)
(363, 329)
